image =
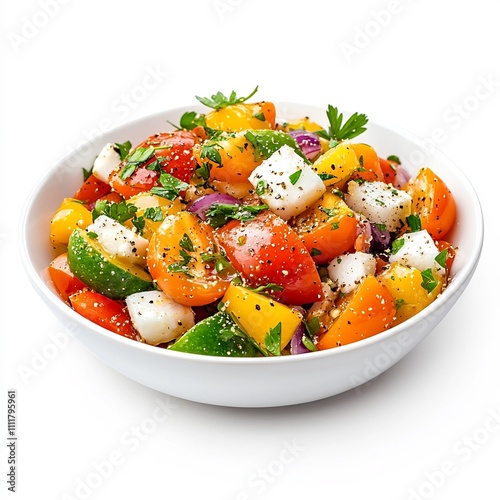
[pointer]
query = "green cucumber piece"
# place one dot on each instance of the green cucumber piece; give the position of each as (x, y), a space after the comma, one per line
(217, 335)
(102, 272)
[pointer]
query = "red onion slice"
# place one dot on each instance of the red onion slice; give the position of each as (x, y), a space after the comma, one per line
(201, 205)
(308, 142)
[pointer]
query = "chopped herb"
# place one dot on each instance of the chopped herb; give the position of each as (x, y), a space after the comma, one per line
(331, 212)
(313, 326)
(123, 149)
(314, 252)
(400, 303)
(92, 235)
(429, 282)
(204, 171)
(441, 257)
(353, 127)
(120, 212)
(264, 288)
(191, 120)
(186, 243)
(272, 340)
(219, 260)
(326, 177)
(260, 116)
(308, 343)
(295, 177)
(219, 100)
(178, 267)
(397, 245)
(211, 152)
(171, 187)
(154, 213)
(261, 188)
(139, 223)
(414, 223)
(394, 158)
(139, 156)
(219, 214)
(381, 227)
(380, 202)
(87, 173)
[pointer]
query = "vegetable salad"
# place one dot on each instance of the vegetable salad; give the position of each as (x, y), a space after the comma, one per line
(234, 234)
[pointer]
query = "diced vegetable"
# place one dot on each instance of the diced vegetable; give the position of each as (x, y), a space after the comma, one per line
(217, 335)
(308, 142)
(65, 282)
(103, 311)
(182, 258)
(366, 311)
(433, 202)
(409, 289)
(102, 272)
(268, 322)
(337, 165)
(70, 215)
(369, 163)
(327, 228)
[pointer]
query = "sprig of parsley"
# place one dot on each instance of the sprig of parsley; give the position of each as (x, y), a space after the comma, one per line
(219, 100)
(120, 212)
(354, 126)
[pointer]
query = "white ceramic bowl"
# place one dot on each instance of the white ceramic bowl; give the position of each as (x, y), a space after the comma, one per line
(251, 382)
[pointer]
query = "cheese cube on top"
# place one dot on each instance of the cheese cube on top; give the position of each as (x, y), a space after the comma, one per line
(286, 183)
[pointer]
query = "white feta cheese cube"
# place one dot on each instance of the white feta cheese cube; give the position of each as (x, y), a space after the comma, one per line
(348, 270)
(106, 162)
(286, 183)
(118, 240)
(417, 250)
(157, 317)
(380, 203)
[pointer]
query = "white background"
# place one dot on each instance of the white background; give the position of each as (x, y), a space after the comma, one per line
(425, 428)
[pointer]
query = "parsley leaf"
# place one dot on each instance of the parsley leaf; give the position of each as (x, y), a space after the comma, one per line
(397, 245)
(219, 100)
(272, 340)
(264, 288)
(414, 223)
(219, 214)
(191, 120)
(294, 178)
(120, 212)
(429, 282)
(87, 173)
(123, 149)
(441, 257)
(354, 126)
(171, 187)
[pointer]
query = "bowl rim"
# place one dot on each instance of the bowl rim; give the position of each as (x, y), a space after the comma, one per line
(49, 295)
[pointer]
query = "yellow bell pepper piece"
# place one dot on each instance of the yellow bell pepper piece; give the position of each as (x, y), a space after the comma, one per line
(70, 215)
(405, 285)
(257, 314)
(339, 162)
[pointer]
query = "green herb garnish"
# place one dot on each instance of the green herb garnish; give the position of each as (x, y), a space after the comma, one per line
(414, 223)
(429, 282)
(295, 177)
(219, 214)
(170, 188)
(337, 131)
(120, 212)
(219, 100)
(272, 340)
